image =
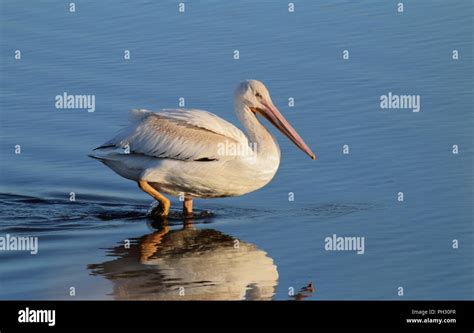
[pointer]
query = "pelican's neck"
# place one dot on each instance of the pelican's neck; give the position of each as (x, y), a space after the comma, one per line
(261, 140)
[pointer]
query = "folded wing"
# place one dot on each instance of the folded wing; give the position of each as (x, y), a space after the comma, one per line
(182, 134)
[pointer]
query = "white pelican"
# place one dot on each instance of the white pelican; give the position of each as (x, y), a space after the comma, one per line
(195, 154)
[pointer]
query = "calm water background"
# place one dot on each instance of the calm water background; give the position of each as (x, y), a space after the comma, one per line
(297, 55)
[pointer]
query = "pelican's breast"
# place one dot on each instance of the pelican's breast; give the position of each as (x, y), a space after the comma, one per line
(233, 177)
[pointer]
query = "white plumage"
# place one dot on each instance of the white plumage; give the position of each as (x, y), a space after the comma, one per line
(181, 134)
(198, 154)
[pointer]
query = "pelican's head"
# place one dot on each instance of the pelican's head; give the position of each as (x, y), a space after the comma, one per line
(255, 96)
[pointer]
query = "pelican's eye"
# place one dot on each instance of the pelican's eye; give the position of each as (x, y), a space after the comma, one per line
(258, 95)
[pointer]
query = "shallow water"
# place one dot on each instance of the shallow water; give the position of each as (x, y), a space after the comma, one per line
(280, 242)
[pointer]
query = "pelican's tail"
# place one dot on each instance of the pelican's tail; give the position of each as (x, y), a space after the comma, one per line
(104, 153)
(127, 165)
(96, 157)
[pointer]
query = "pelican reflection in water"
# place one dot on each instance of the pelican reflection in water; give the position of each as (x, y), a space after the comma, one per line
(189, 264)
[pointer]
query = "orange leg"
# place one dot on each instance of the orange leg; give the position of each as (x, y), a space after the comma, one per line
(149, 244)
(164, 201)
(188, 206)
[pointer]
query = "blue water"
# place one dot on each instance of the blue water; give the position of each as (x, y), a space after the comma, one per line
(407, 244)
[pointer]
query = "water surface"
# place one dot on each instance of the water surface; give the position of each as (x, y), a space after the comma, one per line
(190, 55)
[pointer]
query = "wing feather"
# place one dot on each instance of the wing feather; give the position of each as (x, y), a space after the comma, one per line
(183, 134)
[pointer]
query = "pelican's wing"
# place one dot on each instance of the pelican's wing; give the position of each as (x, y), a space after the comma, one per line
(183, 134)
